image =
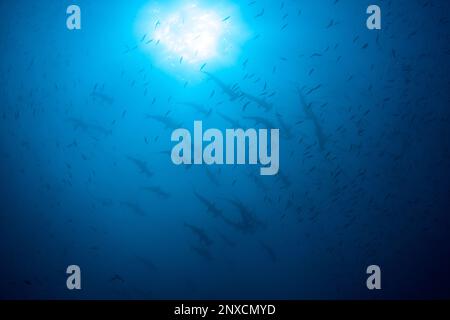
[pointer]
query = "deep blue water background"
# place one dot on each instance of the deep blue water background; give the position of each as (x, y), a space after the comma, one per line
(376, 193)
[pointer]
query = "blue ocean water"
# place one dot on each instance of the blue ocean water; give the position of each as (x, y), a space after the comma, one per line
(86, 176)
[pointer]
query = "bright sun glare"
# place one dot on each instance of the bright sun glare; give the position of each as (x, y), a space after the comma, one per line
(190, 35)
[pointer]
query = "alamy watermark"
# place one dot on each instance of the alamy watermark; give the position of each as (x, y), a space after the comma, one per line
(237, 141)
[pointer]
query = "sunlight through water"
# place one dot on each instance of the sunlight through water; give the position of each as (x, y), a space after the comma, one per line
(188, 36)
